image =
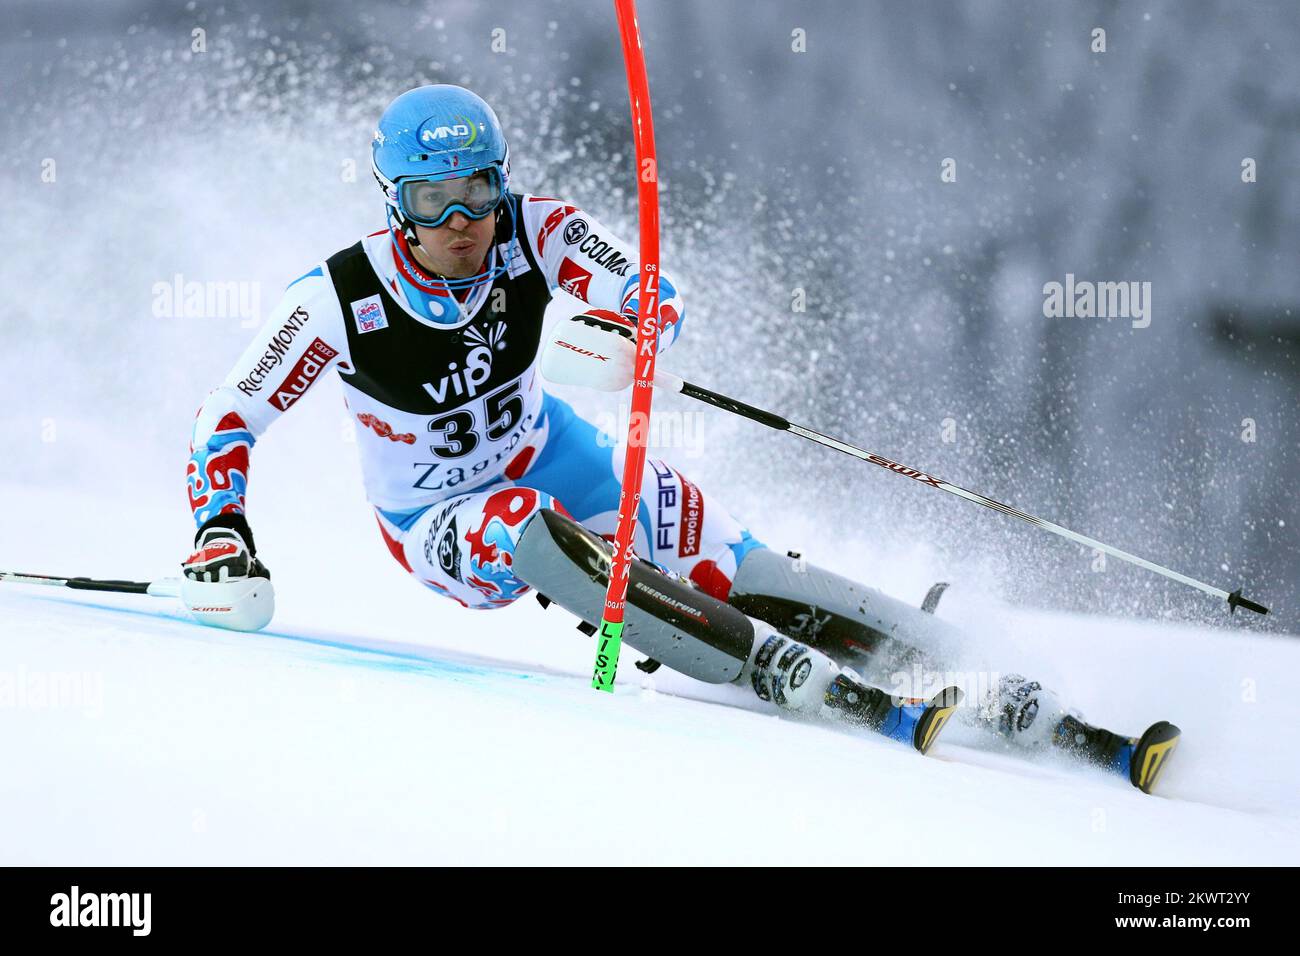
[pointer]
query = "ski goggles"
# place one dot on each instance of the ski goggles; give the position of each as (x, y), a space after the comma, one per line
(431, 202)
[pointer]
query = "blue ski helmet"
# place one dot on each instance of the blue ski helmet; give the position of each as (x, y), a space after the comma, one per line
(439, 150)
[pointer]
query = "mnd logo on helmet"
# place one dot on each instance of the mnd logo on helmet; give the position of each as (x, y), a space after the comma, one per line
(463, 128)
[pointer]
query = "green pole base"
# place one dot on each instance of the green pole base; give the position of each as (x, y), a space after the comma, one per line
(607, 650)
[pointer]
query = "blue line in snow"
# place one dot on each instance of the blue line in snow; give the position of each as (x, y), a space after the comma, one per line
(392, 659)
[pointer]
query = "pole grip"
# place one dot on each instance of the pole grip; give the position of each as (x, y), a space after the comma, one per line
(1235, 600)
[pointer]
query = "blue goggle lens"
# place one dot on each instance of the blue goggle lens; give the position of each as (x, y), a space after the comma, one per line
(432, 202)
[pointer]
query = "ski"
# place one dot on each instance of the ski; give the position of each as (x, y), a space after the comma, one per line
(858, 627)
(674, 623)
(1152, 753)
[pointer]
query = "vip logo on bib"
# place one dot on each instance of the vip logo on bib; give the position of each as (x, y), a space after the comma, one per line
(369, 314)
(465, 382)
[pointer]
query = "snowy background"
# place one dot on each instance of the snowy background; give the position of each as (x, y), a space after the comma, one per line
(127, 159)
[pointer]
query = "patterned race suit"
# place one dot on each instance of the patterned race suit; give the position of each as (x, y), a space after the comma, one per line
(460, 445)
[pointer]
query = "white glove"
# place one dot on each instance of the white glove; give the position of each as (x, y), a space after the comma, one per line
(223, 584)
(222, 555)
(596, 348)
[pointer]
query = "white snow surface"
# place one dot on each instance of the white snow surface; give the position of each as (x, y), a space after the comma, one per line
(374, 722)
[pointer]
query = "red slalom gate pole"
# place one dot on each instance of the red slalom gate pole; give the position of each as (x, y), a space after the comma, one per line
(609, 637)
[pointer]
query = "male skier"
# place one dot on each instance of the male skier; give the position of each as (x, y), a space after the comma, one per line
(434, 325)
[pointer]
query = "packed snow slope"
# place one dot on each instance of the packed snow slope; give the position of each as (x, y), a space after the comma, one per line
(376, 723)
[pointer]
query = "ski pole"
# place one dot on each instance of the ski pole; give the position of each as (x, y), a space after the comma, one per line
(240, 604)
(666, 379)
(163, 587)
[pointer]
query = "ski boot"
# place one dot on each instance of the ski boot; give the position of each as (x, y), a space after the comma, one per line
(800, 678)
(910, 720)
(1140, 759)
(1031, 716)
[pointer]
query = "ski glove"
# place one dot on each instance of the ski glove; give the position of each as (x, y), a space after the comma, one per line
(596, 349)
(224, 551)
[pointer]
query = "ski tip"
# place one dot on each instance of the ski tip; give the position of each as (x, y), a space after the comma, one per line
(1235, 600)
(1152, 754)
(950, 697)
(938, 709)
(933, 595)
